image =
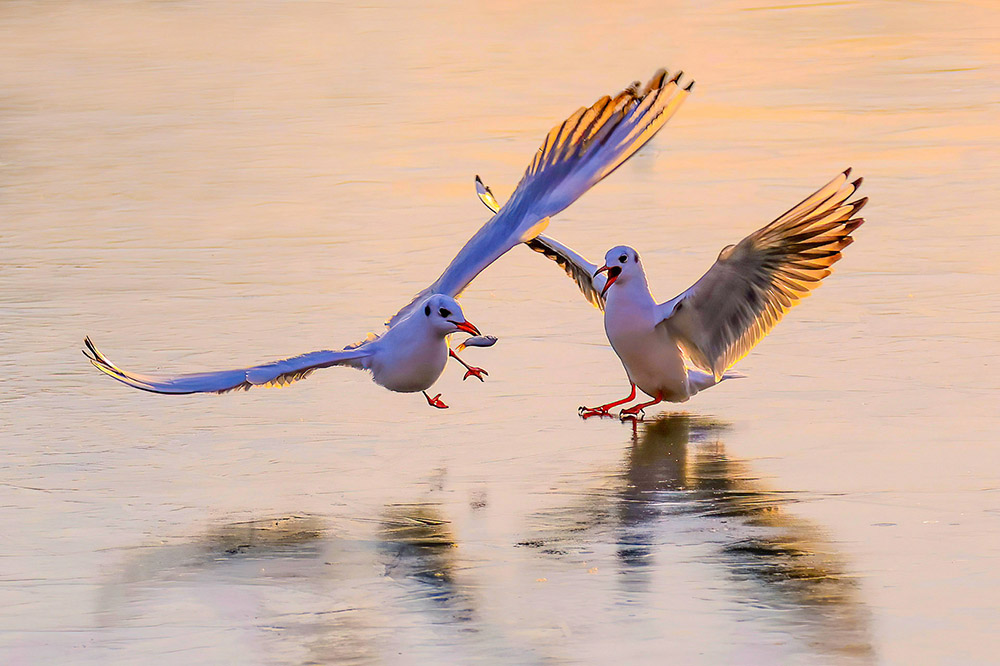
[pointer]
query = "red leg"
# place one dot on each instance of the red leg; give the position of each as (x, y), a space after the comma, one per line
(435, 401)
(587, 412)
(635, 411)
(471, 371)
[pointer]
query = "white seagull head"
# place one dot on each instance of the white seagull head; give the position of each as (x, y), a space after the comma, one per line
(622, 265)
(444, 315)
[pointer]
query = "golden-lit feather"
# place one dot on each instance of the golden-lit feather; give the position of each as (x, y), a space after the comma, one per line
(270, 375)
(755, 282)
(573, 264)
(575, 155)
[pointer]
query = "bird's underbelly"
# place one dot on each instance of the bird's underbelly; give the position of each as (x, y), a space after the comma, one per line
(653, 362)
(410, 372)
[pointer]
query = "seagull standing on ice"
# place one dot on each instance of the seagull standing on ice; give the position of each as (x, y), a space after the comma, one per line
(411, 354)
(673, 350)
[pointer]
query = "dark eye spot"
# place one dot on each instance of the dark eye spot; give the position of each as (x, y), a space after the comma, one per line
(623, 258)
(445, 313)
(427, 310)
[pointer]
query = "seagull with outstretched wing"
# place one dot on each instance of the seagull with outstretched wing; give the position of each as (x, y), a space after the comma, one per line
(673, 350)
(411, 354)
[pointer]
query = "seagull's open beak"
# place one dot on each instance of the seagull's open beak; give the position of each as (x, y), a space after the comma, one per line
(613, 274)
(466, 326)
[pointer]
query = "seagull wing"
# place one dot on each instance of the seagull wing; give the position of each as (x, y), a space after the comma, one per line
(575, 156)
(755, 282)
(278, 373)
(574, 264)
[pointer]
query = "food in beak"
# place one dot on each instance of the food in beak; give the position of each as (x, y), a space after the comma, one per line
(478, 341)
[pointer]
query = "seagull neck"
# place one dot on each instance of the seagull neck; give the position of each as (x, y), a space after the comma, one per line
(635, 288)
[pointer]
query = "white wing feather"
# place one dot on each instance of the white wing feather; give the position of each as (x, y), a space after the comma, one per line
(574, 264)
(575, 156)
(278, 373)
(755, 282)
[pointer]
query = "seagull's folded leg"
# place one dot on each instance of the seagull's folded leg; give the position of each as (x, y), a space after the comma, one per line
(471, 371)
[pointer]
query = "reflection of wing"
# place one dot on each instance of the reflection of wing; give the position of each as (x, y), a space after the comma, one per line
(755, 282)
(575, 265)
(575, 156)
(279, 373)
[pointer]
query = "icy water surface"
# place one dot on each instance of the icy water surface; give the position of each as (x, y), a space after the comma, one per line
(208, 185)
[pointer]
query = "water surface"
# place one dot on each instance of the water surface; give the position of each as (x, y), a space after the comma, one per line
(202, 185)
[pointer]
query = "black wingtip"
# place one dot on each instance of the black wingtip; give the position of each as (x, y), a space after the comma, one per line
(97, 358)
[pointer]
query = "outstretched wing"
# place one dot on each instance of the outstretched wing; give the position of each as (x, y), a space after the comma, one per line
(278, 373)
(575, 156)
(755, 282)
(575, 265)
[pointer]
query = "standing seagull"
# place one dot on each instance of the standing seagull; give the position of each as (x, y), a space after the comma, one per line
(412, 353)
(723, 315)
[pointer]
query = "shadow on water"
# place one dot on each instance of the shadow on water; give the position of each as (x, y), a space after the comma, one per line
(678, 486)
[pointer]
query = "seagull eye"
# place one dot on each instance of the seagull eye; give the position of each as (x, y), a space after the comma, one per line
(444, 313)
(623, 258)
(427, 311)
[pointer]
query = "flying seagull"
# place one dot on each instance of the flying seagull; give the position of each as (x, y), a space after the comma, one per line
(673, 350)
(411, 354)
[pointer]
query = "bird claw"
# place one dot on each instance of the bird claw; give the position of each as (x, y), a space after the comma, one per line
(587, 412)
(635, 415)
(436, 402)
(477, 373)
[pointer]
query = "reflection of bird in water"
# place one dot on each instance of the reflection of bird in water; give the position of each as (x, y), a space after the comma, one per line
(419, 546)
(677, 488)
(290, 589)
(246, 588)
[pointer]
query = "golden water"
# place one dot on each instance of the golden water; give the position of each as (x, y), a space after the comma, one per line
(208, 185)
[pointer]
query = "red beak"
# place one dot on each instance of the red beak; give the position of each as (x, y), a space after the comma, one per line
(612, 276)
(466, 326)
